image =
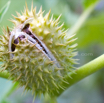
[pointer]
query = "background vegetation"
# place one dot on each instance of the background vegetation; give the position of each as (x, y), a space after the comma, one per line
(90, 45)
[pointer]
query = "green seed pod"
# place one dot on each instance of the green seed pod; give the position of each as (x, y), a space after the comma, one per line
(37, 52)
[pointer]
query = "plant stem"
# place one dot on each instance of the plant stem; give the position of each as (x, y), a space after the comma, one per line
(83, 72)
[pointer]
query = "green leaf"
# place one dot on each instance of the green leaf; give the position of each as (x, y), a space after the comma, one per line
(4, 10)
(87, 3)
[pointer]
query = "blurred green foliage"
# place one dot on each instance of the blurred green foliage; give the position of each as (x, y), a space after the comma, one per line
(90, 44)
(87, 3)
(4, 10)
(92, 31)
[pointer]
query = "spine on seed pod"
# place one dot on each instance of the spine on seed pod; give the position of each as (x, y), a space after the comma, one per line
(37, 53)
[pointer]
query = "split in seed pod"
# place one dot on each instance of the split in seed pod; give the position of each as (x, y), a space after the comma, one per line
(37, 52)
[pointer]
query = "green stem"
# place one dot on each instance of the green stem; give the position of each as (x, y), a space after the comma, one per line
(83, 72)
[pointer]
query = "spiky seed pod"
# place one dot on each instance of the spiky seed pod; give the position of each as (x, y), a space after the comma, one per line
(36, 53)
